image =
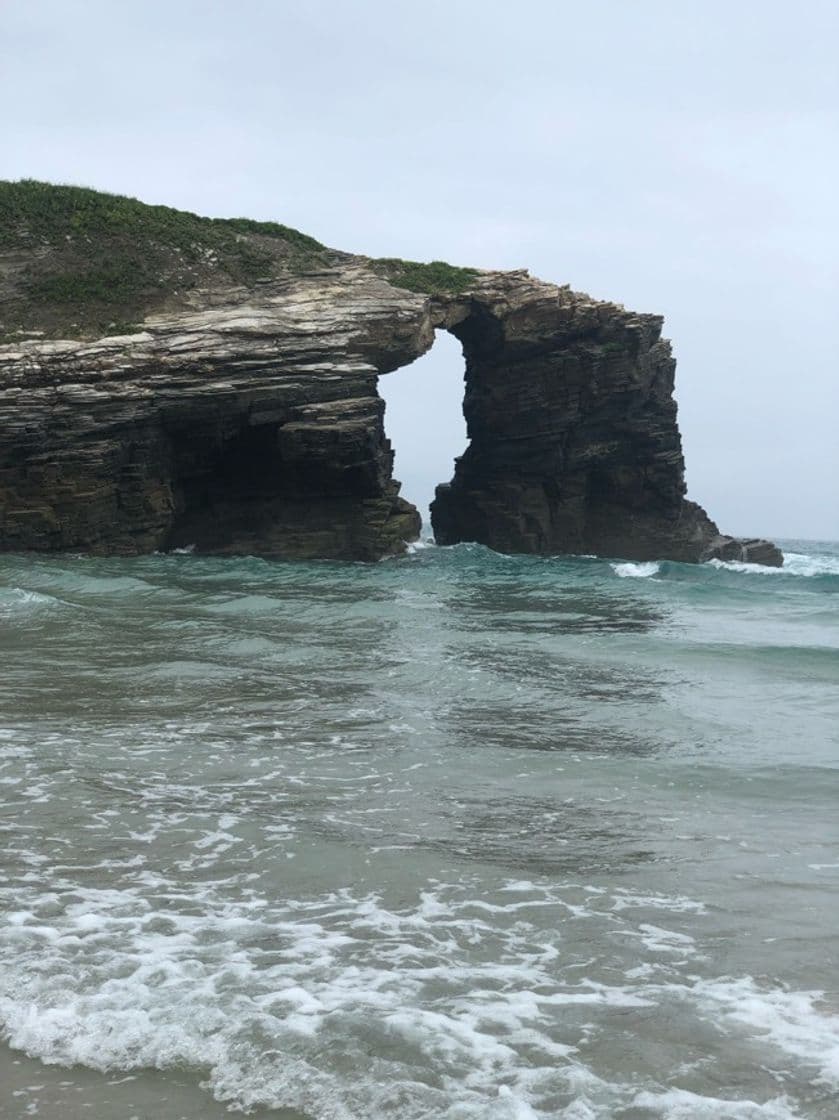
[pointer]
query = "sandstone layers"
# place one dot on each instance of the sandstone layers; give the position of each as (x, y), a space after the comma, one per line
(247, 420)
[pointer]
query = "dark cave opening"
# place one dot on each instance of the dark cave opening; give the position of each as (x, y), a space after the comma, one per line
(221, 477)
(246, 465)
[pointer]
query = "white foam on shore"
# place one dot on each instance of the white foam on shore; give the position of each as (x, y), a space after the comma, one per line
(679, 1104)
(791, 1021)
(342, 1006)
(678, 904)
(659, 940)
(255, 996)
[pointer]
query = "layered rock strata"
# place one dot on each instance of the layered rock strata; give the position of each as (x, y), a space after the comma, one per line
(253, 426)
(248, 421)
(574, 443)
(748, 550)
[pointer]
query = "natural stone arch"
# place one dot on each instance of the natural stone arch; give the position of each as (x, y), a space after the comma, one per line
(253, 424)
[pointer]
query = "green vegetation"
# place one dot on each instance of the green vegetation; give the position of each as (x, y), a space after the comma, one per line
(95, 260)
(77, 263)
(434, 278)
(94, 285)
(33, 212)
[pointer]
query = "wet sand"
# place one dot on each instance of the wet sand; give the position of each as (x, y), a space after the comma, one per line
(30, 1088)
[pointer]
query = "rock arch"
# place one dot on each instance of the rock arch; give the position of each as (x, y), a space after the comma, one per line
(251, 422)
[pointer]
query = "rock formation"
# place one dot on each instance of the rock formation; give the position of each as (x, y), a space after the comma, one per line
(241, 414)
(749, 550)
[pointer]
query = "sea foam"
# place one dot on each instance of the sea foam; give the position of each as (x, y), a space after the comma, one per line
(795, 564)
(275, 1004)
(629, 570)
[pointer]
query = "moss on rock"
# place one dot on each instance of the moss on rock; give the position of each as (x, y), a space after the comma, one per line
(75, 261)
(435, 277)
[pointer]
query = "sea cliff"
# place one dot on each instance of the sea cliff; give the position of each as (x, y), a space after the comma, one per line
(169, 380)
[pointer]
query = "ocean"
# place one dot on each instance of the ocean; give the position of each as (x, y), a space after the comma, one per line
(456, 835)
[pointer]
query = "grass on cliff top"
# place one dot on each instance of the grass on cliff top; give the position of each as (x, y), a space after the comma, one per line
(434, 278)
(76, 262)
(79, 261)
(32, 212)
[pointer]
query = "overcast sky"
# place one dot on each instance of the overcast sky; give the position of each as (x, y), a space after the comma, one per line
(676, 156)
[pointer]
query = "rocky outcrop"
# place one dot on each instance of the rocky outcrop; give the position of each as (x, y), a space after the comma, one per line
(750, 550)
(574, 445)
(253, 426)
(245, 418)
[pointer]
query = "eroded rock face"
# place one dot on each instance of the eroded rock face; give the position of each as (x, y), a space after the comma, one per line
(574, 441)
(252, 426)
(250, 422)
(574, 444)
(749, 550)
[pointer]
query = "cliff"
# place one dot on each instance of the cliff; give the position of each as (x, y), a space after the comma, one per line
(169, 380)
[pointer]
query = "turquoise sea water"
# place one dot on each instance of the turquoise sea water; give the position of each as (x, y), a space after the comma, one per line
(457, 835)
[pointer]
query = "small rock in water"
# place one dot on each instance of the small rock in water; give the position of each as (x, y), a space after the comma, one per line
(746, 550)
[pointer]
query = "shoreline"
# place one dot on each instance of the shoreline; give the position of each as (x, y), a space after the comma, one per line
(78, 1093)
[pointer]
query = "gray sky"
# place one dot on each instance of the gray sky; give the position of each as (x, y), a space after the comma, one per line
(676, 156)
